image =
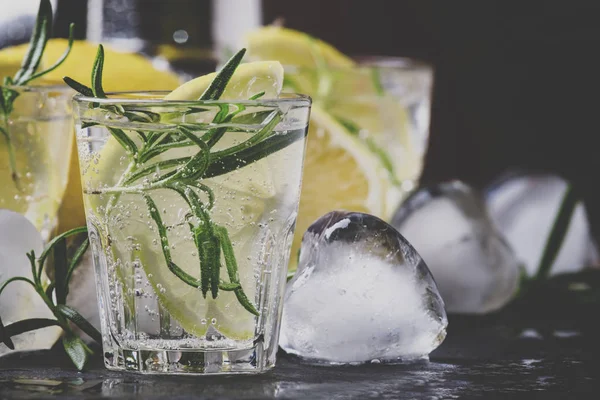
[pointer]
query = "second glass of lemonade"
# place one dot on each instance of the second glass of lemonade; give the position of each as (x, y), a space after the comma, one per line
(191, 223)
(35, 142)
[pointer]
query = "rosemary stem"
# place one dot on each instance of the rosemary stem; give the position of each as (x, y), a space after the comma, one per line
(12, 162)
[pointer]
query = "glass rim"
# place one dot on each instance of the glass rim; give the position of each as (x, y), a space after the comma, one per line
(294, 98)
(366, 62)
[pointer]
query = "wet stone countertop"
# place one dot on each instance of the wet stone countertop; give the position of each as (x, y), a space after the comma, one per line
(544, 345)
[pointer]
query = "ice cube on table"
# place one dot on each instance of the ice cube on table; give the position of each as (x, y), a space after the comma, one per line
(524, 207)
(19, 300)
(361, 293)
(475, 269)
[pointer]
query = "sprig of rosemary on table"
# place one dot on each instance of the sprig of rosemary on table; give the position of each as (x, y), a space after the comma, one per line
(28, 72)
(185, 174)
(54, 296)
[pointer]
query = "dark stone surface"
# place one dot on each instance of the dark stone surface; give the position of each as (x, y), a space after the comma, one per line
(544, 345)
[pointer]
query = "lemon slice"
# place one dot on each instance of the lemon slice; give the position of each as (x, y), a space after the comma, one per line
(349, 92)
(249, 79)
(241, 197)
(294, 48)
(122, 71)
(339, 173)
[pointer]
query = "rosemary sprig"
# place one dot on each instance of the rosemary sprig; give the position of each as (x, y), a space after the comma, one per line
(54, 296)
(184, 175)
(39, 38)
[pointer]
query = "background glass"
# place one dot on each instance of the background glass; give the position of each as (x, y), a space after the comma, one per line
(40, 129)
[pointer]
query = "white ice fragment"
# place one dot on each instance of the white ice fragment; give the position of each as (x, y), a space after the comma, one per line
(474, 268)
(524, 208)
(19, 300)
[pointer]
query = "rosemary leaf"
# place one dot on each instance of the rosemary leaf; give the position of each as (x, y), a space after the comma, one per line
(383, 156)
(124, 140)
(232, 269)
(5, 336)
(164, 241)
(206, 250)
(37, 43)
(274, 118)
(257, 96)
(77, 351)
(194, 168)
(229, 287)
(559, 230)
(72, 315)
(75, 262)
(52, 243)
(255, 118)
(156, 167)
(226, 164)
(97, 74)
(218, 85)
(60, 271)
(26, 325)
(49, 290)
(60, 60)
(79, 87)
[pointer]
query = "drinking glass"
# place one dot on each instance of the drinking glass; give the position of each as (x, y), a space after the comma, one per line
(385, 102)
(191, 209)
(35, 137)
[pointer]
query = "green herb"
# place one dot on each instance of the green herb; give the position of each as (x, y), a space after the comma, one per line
(27, 73)
(184, 175)
(558, 232)
(54, 296)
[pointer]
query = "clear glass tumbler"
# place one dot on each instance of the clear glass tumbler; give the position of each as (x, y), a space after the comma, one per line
(385, 102)
(191, 208)
(36, 133)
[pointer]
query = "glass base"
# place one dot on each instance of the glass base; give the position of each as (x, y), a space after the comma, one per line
(189, 362)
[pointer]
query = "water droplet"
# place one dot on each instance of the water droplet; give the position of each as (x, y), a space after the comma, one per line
(203, 321)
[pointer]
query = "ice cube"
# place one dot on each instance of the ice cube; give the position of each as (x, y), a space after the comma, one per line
(524, 207)
(19, 300)
(474, 267)
(361, 293)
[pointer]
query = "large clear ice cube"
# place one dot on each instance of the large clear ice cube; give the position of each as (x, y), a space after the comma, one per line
(474, 267)
(524, 207)
(361, 293)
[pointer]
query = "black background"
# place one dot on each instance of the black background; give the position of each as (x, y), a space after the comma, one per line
(516, 83)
